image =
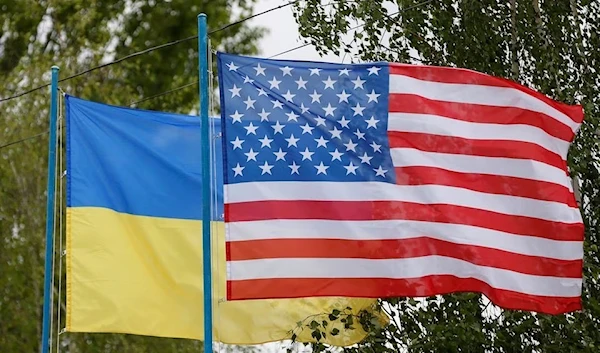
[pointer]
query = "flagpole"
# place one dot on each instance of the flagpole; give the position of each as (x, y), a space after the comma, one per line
(45, 344)
(206, 197)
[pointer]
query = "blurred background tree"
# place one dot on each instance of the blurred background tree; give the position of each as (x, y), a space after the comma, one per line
(77, 35)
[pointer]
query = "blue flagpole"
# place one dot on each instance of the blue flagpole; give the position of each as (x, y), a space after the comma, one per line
(206, 197)
(45, 346)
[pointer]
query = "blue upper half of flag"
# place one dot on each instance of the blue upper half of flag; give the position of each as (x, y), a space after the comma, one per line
(136, 161)
(304, 121)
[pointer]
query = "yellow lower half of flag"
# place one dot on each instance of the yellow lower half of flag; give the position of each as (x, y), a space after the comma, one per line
(143, 275)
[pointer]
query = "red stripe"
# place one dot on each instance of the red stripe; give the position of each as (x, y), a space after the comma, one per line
(410, 103)
(382, 210)
(485, 148)
(488, 183)
(382, 288)
(464, 76)
(401, 248)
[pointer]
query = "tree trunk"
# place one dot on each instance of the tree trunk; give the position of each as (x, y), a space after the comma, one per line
(513, 41)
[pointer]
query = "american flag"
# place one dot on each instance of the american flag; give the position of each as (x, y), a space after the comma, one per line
(390, 180)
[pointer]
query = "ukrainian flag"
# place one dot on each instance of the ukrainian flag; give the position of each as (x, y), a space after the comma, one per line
(134, 237)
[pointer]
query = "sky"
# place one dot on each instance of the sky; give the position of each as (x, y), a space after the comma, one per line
(283, 33)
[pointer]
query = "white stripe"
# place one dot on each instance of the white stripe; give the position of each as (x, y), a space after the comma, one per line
(511, 167)
(403, 229)
(404, 268)
(477, 94)
(439, 125)
(424, 194)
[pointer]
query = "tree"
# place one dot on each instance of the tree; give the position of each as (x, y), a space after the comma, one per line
(549, 46)
(77, 35)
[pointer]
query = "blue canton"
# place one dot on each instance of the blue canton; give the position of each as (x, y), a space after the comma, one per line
(304, 121)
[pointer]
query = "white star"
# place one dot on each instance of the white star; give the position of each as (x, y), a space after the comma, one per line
(278, 128)
(336, 155)
(329, 82)
(358, 83)
(259, 70)
(251, 129)
(249, 103)
(344, 122)
(286, 70)
(315, 71)
(235, 91)
(232, 66)
(321, 142)
(294, 167)
(344, 72)
(373, 96)
(307, 154)
(251, 155)
(266, 168)
(264, 116)
(372, 122)
(315, 97)
(288, 96)
(358, 109)
(307, 129)
(365, 158)
(237, 143)
(303, 108)
(376, 147)
(274, 83)
(359, 134)
(280, 155)
(380, 171)
(261, 92)
(336, 133)
(374, 70)
(329, 109)
(301, 83)
(265, 142)
(320, 121)
(236, 117)
(292, 116)
(351, 146)
(248, 79)
(321, 169)
(343, 96)
(292, 141)
(277, 104)
(238, 170)
(351, 168)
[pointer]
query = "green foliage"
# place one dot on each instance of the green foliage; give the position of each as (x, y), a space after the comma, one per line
(322, 325)
(77, 35)
(550, 46)
(319, 324)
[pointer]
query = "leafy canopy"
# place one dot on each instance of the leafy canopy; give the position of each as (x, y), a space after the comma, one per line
(77, 35)
(550, 46)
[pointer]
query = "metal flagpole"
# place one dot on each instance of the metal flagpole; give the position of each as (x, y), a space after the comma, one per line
(45, 346)
(206, 197)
